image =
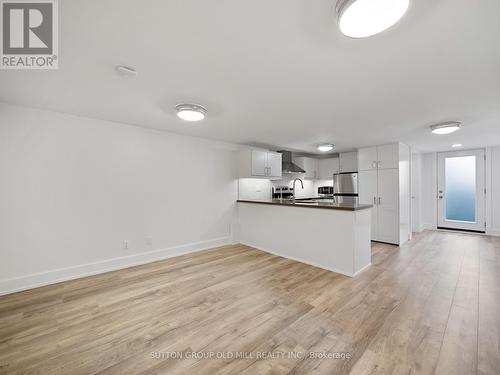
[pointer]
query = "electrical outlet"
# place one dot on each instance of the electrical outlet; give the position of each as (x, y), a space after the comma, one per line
(125, 244)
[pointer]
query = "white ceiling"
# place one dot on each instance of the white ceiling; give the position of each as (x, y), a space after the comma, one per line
(276, 72)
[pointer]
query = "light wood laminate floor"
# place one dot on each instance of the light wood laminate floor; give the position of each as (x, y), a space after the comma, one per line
(430, 307)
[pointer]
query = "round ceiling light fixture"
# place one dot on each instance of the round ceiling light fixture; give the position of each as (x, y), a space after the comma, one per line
(446, 127)
(325, 147)
(364, 18)
(191, 112)
(457, 145)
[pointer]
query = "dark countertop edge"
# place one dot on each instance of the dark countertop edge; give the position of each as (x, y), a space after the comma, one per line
(324, 206)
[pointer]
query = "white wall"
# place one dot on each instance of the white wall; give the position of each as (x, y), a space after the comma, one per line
(428, 204)
(416, 191)
(493, 203)
(404, 194)
(72, 189)
(428, 201)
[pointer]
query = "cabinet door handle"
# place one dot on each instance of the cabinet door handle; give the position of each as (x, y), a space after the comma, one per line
(374, 165)
(375, 201)
(379, 201)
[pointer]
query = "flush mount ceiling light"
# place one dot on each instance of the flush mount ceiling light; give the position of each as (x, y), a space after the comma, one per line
(325, 147)
(446, 127)
(457, 145)
(191, 112)
(364, 18)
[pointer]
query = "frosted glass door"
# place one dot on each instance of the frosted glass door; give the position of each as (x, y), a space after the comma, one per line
(461, 190)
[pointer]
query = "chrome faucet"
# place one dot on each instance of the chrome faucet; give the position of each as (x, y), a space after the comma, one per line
(301, 183)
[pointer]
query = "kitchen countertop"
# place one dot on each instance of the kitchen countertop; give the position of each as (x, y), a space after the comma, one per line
(312, 203)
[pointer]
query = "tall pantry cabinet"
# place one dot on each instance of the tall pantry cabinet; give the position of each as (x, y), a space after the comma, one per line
(384, 182)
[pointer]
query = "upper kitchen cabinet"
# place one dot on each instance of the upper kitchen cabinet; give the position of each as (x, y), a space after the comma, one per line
(259, 164)
(274, 164)
(310, 165)
(327, 168)
(388, 156)
(348, 162)
(367, 158)
(379, 157)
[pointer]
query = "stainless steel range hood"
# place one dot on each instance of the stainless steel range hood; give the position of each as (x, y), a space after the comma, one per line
(287, 166)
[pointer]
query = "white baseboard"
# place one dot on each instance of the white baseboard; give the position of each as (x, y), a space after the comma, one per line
(429, 226)
(17, 284)
(362, 269)
(419, 229)
(314, 264)
(493, 232)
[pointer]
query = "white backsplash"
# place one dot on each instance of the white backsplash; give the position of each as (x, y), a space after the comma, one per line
(253, 188)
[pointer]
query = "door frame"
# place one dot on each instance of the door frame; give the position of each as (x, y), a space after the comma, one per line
(480, 225)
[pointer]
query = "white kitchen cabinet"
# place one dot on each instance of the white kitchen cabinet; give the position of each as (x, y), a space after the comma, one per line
(327, 168)
(274, 164)
(388, 156)
(388, 205)
(378, 157)
(368, 194)
(310, 165)
(348, 162)
(384, 188)
(259, 164)
(367, 158)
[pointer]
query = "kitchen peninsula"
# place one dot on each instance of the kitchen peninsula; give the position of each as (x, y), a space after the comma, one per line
(324, 234)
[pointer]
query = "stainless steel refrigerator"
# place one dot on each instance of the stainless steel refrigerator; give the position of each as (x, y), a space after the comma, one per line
(345, 187)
